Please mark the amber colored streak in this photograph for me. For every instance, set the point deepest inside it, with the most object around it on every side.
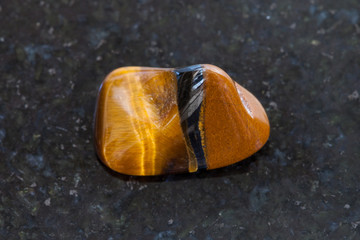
(235, 123)
(142, 122)
(201, 127)
(138, 128)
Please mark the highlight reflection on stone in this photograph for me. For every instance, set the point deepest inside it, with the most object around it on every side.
(152, 121)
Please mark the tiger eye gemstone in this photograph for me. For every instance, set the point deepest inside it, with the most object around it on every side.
(152, 121)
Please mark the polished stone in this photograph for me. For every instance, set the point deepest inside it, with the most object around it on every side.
(153, 121)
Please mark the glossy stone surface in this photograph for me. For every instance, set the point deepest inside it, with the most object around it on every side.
(299, 58)
(235, 123)
(139, 130)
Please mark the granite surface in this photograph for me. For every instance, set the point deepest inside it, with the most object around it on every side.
(300, 58)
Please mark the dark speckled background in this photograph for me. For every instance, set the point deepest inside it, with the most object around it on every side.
(300, 58)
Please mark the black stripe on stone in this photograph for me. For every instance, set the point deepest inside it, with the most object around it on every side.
(190, 97)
